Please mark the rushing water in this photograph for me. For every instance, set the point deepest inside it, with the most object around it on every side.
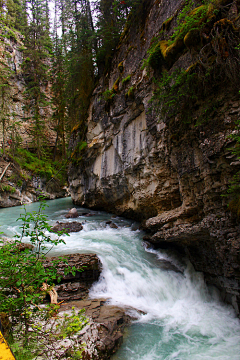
(178, 317)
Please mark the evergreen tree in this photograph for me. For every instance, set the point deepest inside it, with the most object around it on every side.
(73, 70)
(80, 65)
(5, 74)
(36, 68)
(58, 96)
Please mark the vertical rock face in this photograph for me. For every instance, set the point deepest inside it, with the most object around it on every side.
(169, 174)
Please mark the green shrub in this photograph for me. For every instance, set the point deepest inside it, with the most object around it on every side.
(30, 162)
(130, 93)
(32, 328)
(126, 79)
(7, 188)
(174, 91)
(108, 95)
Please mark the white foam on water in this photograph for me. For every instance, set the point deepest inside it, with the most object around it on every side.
(178, 318)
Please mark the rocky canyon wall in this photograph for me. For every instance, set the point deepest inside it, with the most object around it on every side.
(168, 173)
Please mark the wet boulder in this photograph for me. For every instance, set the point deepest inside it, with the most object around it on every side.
(75, 284)
(67, 227)
(113, 226)
(72, 214)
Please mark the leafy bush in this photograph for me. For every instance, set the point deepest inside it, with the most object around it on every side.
(44, 167)
(22, 274)
(7, 188)
(175, 92)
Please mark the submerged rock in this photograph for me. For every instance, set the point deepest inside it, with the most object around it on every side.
(111, 224)
(67, 227)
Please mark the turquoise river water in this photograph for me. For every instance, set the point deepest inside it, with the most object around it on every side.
(179, 317)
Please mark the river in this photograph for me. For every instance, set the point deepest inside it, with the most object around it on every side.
(180, 318)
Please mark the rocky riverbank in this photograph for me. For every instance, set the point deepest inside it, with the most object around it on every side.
(104, 333)
(18, 187)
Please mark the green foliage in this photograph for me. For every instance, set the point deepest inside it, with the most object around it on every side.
(7, 188)
(29, 161)
(19, 182)
(179, 92)
(174, 91)
(44, 167)
(155, 57)
(77, 153)
(22, 275)
(108, 94)
(191, 20)
(22, 272)
(47, 339)
(130, 92)
(126, 79)
(36, 69)
(11, 34)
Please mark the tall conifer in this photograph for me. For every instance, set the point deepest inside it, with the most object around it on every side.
(36, 68)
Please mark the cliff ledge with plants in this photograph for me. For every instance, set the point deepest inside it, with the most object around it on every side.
(162, 140)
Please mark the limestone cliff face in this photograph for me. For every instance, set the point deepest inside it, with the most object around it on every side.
(168, 174)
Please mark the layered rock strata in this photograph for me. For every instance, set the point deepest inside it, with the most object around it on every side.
(168, 173)
(75, 285)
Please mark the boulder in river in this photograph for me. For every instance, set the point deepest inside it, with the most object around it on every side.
(67, 227)
(72, 214)
(111, 224)
(75, 286)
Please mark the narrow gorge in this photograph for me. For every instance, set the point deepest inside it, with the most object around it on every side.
(169, 167)
(120, 179)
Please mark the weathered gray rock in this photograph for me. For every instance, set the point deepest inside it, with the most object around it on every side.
(168, 173)
(104, 333)
(67, 227)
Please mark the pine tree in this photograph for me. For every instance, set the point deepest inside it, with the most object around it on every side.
(80, 65)
(36, 68)
(73, 70)
(58, 95)
(5, 74)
